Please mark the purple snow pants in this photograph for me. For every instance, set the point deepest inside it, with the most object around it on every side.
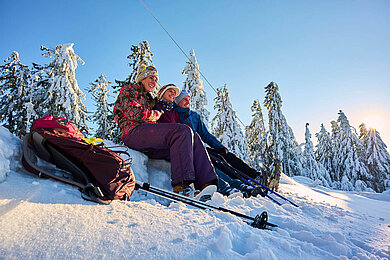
(177, 143)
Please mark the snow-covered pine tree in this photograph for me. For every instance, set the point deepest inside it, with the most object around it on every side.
(225, 126)
(313, 169)
(194, 83)
(377, 157)
(335, 138)
(14, 94)
(140, 54)
(39, 81)
(323, 151)
(281, 140)
(363, 132)
(63, 97)
(255, 137)
(103, 115)
(348, 164)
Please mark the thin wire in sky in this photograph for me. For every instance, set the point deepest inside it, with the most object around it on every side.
(184, 53)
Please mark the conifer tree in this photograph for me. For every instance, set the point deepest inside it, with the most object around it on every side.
(313, 169)
(62, 96)
(103, 114)
(225, 126)
(348, 164)
(194, 83)
(14, 94)
(140, 54)
(377, 157)
(335, 147)
(363, 132)
(256, 137)
(281, 140)
(39, 81)
(323, 152)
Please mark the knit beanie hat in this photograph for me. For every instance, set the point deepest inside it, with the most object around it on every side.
(163, 89)
(182, 95)
(145, 71)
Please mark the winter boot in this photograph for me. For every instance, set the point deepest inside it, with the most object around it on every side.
(233, 192)
(249, 191)
(246, 190)
(258, 190)
(186, 189)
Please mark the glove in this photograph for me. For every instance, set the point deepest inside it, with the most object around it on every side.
(223, 150)
(155, 115)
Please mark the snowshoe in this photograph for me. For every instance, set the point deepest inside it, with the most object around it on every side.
(206, 193)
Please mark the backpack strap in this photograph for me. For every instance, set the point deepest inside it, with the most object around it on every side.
(29, 163)
(34, 141)
(39, 146)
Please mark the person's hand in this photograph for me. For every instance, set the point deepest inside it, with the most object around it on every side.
(155, 115)
(223, 150)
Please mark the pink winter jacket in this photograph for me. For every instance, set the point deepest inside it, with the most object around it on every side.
(133, 108)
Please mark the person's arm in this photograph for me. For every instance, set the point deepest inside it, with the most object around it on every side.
(131, 105)
(205, 135)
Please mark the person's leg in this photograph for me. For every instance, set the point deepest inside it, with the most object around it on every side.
(204, 170)
(223, 187)
(220, 163)
(234, 183)
(166, 141)
(240, 165)
(226, 171)
(236, 162)
(230, 183)
(180, 144)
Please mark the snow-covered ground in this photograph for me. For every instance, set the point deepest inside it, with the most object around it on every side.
(43, 219)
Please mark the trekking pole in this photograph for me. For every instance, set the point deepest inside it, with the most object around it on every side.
(265, 187)
(235, 172)
(277, 194)
(260, 221)
(261, 192)
(242, 176)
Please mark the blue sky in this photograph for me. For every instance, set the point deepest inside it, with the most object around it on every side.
(324, 55)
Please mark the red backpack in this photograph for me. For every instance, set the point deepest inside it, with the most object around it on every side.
(101, 174)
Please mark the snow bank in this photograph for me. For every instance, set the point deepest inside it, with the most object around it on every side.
(10, 150)
(43, 219)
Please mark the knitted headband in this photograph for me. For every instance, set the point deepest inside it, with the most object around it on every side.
(182, 95)
(145, 71)
(163, 89)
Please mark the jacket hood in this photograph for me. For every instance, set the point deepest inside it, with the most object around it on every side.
(185, 112)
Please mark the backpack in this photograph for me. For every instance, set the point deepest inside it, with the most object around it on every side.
(100, 173)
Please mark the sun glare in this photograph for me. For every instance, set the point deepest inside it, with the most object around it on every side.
(374, 121)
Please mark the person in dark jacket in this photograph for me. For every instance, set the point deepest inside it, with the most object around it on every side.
(194, 121)
(165, 102)
(190, 163)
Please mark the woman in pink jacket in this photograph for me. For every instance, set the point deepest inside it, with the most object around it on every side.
(177, 143)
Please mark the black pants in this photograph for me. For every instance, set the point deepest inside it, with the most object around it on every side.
(236, 162)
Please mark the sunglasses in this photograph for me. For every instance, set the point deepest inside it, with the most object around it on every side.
(186, 91)
(149, 68)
